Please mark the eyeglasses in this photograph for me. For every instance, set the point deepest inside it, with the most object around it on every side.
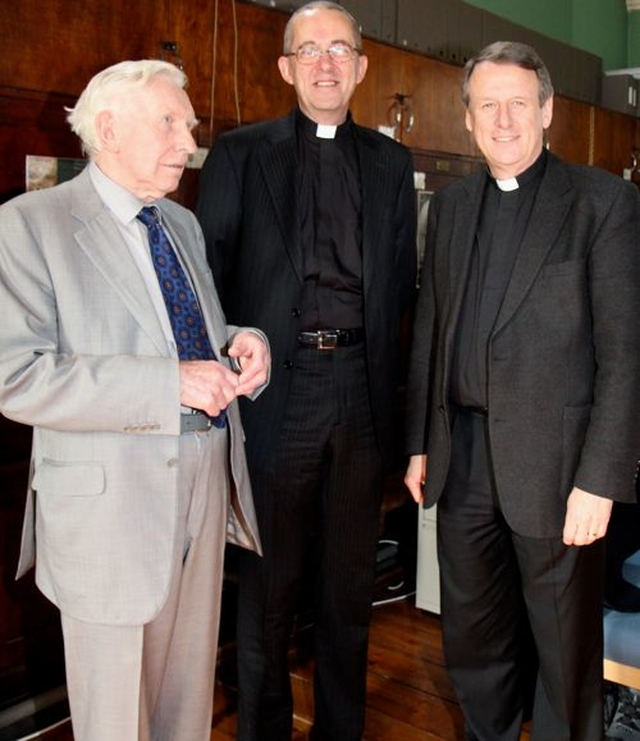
(310, 53)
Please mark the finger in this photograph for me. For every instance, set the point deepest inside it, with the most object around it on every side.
(415, 488)
(583, 535)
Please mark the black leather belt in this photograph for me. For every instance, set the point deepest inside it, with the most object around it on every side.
(195, 422)
(329, 339)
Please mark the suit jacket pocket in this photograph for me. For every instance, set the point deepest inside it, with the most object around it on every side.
(69, 478)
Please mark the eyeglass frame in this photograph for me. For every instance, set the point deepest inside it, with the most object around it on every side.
(355, 52)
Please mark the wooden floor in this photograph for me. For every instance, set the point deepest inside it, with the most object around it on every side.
(409, 694)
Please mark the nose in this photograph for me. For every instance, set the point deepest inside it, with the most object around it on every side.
(325, 60)
(186, 142)
(503, 116)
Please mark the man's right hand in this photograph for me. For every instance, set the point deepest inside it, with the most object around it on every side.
(415, 477)
(207, 385)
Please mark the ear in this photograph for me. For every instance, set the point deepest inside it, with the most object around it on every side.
(106, 128)
(284, 65)
(363, 65)
(468, 121)
(547, 112)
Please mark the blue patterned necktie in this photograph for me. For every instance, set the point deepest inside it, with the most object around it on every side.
(186, 320)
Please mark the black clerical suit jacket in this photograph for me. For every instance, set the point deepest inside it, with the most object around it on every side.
(247, 209)
(563, 358)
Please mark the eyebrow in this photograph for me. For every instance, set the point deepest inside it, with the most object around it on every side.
(334, 41)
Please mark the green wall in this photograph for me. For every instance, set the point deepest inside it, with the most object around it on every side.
(634, 39)
(598, 26)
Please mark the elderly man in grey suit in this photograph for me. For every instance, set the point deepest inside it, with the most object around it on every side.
(138, 472)
(525, 400)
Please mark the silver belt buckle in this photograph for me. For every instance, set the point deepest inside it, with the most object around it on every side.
(327, 340)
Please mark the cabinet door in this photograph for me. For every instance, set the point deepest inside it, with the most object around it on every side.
(31, 654)
(428, 572)
(58, 45)
(422, 26)
(248, 86)
(377, 18)
(432, 89)
(613, 140)
(570, 131)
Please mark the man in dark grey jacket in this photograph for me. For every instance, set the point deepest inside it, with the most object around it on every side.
(525, 400)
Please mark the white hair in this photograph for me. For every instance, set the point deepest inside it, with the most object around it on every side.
(107, 86)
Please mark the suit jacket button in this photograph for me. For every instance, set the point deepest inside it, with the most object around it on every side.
(295, 313)
(172, 462)
(288, 364)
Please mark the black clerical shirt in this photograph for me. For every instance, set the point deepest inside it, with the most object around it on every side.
(503, 220)
(329, 213)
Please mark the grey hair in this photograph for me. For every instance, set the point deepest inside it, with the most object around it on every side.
(319, 5)
(510, 52)
(107, 86)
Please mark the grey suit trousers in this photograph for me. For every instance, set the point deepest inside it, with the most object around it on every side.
(154, 682)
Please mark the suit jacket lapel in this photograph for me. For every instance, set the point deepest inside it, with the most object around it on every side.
(374, 164)
(461, 242)
(278, 164)
(100, 239)
(550, 210)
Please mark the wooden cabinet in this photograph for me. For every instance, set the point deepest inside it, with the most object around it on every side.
(229, 51)
(247, 85)
(31, 654)
(570, 135)
(613, 137)
(57, 45)
(432, 88)
(428, 574)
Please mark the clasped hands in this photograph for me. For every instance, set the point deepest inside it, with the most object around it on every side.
(210, 386)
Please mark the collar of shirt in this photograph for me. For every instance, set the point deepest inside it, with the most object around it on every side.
(315, 130)
(121, 202)
(532, 173)
(124, 207)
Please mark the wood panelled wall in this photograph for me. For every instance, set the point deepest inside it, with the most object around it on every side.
(51, 48)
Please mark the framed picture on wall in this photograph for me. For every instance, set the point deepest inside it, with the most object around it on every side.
(43, 172)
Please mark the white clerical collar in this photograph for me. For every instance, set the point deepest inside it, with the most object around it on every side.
(508, 184)
(325, 131)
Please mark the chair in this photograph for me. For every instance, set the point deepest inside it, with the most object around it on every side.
(622, 636)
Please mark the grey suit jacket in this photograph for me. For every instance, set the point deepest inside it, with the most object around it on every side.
(84, 361)
(563, 357)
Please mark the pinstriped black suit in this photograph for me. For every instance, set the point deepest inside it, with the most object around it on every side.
(247, 208)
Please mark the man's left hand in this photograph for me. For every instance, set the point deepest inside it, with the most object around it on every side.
(253, 360)
(587, 517)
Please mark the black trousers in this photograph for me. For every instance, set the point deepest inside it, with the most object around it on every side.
(318, 508)
(498, 589)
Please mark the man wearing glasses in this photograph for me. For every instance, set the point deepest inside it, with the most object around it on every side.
(310, 229)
